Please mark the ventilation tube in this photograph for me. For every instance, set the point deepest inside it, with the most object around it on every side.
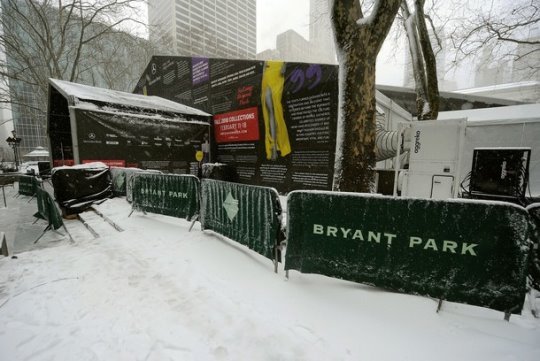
(386, 141)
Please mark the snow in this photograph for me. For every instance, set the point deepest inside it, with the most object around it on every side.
(86, 92)
(112, 111)
(504, 86)
(90, 165)
(512, 113)
(37, 152)
(159, 292)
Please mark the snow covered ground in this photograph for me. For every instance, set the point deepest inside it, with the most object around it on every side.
(158, 292)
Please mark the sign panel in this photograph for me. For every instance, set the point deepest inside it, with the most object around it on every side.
(28, 185)
(121, 140)
(47, 209)
(168, 194)
(275, 122)
(238, 126)
(462, 251)
(249, 215)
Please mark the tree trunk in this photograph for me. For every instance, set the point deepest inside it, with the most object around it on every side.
(358, 120)
(358, 41)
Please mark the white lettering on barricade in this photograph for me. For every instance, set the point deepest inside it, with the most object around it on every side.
(416, 242)
(158, 192)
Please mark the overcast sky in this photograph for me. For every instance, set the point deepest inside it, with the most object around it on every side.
(277, 16)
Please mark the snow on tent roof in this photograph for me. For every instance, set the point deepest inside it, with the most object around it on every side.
(513, 112)
(38, 152)
(90, 93)
(449, 101)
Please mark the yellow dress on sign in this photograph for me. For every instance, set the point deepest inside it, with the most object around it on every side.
(276, 134)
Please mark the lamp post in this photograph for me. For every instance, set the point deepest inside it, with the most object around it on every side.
(14, 143)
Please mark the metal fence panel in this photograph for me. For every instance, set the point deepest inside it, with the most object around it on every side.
(47, 209)
(464, 251)
(168, 194)
(28, 185)
(249, 215)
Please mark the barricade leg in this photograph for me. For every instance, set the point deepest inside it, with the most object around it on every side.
(69, 234)
(5, 251)
(193, 220)
(43, 233)
(532, 296)
(439, 305)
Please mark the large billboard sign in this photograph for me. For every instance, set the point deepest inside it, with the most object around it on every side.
(275, 122)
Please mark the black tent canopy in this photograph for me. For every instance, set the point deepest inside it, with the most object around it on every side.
(87, 124)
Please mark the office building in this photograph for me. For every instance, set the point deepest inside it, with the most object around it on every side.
(290, 46)
(210, 28)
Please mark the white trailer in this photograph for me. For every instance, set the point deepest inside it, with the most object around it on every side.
(441, 151)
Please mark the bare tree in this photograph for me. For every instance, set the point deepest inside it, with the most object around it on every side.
(117, 61)
(505, 27)
(424, 63)
(358, 41)
(53, 39)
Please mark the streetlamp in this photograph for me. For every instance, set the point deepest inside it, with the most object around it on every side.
(14, 143)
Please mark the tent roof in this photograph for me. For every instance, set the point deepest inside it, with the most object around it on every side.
(449, 101)
(38, 152)
(75, 93)
(515, 113)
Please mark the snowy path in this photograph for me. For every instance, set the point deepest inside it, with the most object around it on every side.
(158, 292)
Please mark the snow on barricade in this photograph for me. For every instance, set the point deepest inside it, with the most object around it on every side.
(168, 194)
(463, 251)
(249, 215)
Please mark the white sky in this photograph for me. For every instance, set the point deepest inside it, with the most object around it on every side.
(277, 16)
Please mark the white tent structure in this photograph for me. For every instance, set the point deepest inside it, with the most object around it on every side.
(38, 152)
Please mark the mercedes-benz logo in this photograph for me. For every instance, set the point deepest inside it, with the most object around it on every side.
(91, 136)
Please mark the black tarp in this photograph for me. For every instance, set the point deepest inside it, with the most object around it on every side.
(76, 188)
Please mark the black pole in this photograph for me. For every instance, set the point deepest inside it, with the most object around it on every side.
(14, 143)
(4, 194)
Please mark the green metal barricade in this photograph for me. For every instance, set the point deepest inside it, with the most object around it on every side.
(464, 251)
(28, 185)
(168, 194)
(249, 215)
(47, 209)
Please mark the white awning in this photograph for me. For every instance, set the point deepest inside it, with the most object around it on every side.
(38, 152)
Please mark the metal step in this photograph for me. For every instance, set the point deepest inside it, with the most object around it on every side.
(97, 224)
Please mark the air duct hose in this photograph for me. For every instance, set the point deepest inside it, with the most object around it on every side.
(386, 141)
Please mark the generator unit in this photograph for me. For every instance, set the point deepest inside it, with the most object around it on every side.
(434, 159)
